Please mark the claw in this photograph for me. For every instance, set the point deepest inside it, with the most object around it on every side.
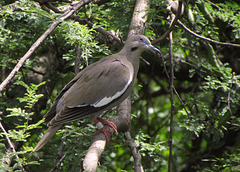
(101, 123)
(109, 123)
(106, 133)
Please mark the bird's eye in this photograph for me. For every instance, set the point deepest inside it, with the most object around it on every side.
(140, 39)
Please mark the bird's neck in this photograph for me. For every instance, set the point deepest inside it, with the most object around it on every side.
(131, 54)
(132, 57)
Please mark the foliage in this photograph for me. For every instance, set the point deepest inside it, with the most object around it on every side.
(80, 34)
(207, 78)
(22, 131)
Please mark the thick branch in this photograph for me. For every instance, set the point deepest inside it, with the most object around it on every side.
(123, 118)
(139, 17)
(122, 122)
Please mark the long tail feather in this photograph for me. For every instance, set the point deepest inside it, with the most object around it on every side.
(47, 136)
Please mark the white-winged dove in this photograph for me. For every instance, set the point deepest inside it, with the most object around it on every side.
(97, 88)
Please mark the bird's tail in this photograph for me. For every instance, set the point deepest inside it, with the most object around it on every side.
(47, 136)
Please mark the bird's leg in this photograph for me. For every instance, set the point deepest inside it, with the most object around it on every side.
(101, 123)
(109, 123)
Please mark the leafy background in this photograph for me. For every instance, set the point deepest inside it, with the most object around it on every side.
(206, 126)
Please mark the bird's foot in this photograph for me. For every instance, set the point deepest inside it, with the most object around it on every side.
(101, 123)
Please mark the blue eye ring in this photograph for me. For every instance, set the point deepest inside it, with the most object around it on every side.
(140, 39)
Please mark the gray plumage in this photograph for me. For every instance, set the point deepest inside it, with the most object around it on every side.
(97, 88)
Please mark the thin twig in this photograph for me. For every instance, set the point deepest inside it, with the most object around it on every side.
(164, 66)
(173, 23)
(229, 95)
(83, 21)
(174, 19)
(215, 5)
(61, 9)
(136, 155)
(61, 149)
(181, 101)
(204, 38)
(11, 145)
(174, 88)
(172, 102)
(98, 29)
(40, 40)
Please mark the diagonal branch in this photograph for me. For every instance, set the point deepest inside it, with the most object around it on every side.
(136, 155)
(122, 121)
(98, 29)
(204, 38)
(11, 145)
(173, 23)
(40, 40)
(123, 118)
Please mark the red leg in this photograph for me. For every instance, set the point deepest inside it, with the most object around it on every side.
(100, 124)
(109, 123)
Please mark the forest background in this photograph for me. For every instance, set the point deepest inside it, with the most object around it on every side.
(185, 113)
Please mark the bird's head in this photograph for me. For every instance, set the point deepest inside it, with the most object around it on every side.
(140, 43)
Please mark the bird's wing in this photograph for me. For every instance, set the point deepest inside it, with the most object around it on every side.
(100, 86)
(95, 88)
(52, 111)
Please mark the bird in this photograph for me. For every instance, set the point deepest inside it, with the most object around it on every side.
(97, 88)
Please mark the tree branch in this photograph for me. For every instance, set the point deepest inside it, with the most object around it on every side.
(174, 20)
(122, 121)
(172, 102)
(83, 21)
(179, 11)
(173, 23)
(11, 145)
(94, 152)
(136, 155)
(62, 156)
(204, 38)
(98, 29)
(61, 9)
(123, 118)
(40, 40)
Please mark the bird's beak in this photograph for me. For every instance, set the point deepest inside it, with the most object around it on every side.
(154, 49)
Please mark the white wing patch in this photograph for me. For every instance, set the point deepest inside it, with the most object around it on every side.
(107, 100)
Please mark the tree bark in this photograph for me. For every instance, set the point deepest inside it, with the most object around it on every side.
(123, 118)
